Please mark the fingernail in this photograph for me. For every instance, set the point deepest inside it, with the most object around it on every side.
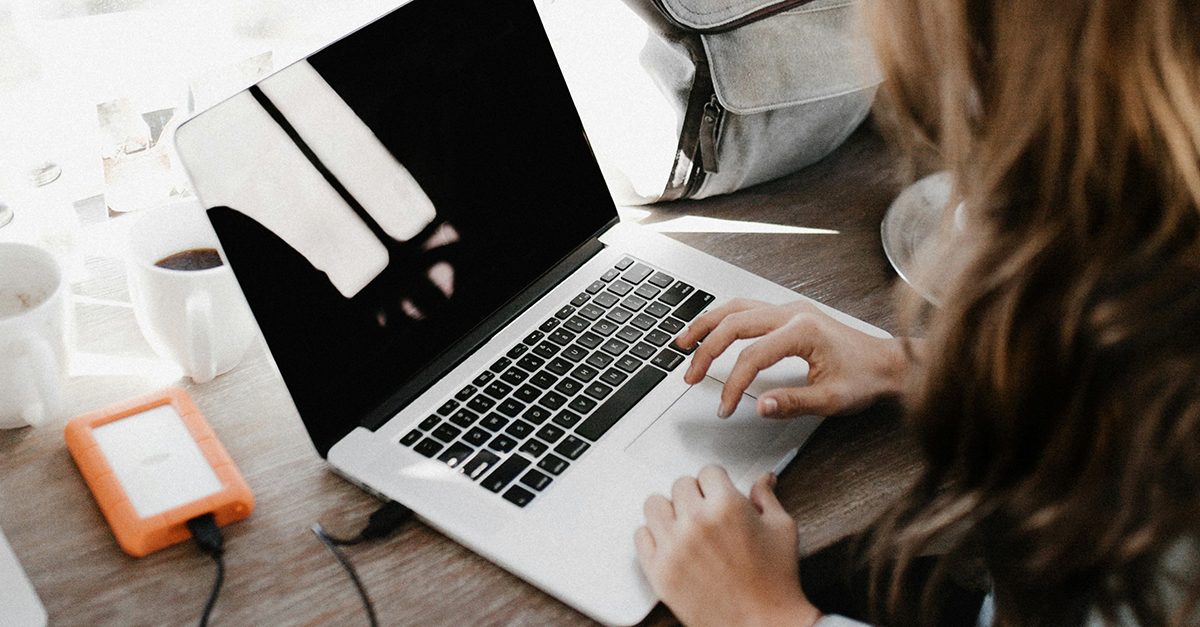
(724, 411)
(768, 407)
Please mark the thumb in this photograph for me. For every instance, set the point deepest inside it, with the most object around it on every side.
(762, 495)
(789, 402)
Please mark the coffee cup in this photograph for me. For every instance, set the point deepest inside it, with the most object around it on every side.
(34, 323)
(185, 297)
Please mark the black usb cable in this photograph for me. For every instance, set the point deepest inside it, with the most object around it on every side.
(211, 541)
(382, 522)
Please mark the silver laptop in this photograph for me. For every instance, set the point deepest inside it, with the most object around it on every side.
(462, 320)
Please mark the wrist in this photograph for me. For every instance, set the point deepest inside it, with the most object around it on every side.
(799, 613)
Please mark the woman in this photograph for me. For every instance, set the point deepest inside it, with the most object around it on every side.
(1056, 397)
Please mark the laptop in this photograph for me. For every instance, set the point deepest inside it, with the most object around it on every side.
(462, 320)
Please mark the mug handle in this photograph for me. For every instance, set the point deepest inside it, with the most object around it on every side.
(201, 334)
(46, 379)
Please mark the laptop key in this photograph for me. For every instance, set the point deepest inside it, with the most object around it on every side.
(519, 429)
(518, 496)
(553, 464)
(590, 340)
(684, 351)
(598, 391)
(629, 364)
(500, 364)
(693, 305)
(510, 407)
(446, 432)
(480, 404)
(559, 366)
(494, 422)
(543, 379)
(605, 327)
(642, 350)
(480, 464)
(572, 447)
(625, 262)
(514, 376)
(661, 279)
(551, 433)
(516, 351)
(429, 423)
(527, 393)
(620, 315)
(465, 393)
(552, 400)
(667, 359)
(464, 418)
(536, 414)
(620, 403)
(599, 360)
(609, 276)
(633, 303)
(585, 373)
(536, 480)
(567, 418)
(620, 288)
(565, 312)
(647, 291)
(614, 347)
(614, 377)
(497, 390)
(576, 324)
(676, 294)
(483, 378)
(428, 447)
(671, 325)
(580, 299)
(534, 448)
(545, 350)
(638, 273)
(531, 362)
(658, 337)
(575, 353)
(505, 473)
(643, 322)
(657, 309)
(568, 386)
(590, 311)
(476, 436)
(456, 455)
(596, 286)
(448, 407)
(502, 443)
(410, 437)
(629, 334)
(549, 325)
(582, 404)
(533, 338)
(562, 337)
(606, 299)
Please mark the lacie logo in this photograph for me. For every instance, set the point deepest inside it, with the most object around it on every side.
(155, 459)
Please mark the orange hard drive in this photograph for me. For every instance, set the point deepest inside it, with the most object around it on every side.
(133, 469)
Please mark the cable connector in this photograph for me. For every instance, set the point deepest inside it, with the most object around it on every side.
(382, 521)
(211, 541)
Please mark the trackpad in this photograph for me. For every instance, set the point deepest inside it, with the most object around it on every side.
(689, 436)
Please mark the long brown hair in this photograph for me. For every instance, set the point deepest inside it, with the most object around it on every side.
(1058, 399)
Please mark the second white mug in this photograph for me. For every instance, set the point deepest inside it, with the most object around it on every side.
(197, 317)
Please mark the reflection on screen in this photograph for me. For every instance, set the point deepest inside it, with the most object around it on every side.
(381, 200)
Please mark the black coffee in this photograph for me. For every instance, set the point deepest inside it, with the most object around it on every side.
(195, 259)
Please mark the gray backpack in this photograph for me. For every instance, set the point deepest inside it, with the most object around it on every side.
(762, 87)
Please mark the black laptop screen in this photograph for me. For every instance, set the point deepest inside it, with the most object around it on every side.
(380, 201)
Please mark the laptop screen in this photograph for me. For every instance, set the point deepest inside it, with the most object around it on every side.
(378, 201)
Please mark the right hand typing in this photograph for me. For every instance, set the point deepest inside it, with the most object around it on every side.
(847, 369)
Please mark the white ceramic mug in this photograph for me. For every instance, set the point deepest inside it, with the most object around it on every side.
(195, 318)
(34, 323)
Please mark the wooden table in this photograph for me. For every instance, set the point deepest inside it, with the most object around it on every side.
(277, 571)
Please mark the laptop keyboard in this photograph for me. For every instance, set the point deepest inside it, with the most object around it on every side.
(525, 419)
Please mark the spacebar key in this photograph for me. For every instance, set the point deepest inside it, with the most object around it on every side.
(620, 403)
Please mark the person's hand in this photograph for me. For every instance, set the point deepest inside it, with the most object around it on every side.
(847, 369)
(717, 558)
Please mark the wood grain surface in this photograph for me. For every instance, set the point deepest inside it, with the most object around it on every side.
(277, 571)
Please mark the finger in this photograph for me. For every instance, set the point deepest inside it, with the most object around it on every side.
(660, 515)
(715, 483)
(701, 326)
(818, 400)
(643, 541)
(685, 495)
(793, 339)
(762, 495)
(736, 326)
